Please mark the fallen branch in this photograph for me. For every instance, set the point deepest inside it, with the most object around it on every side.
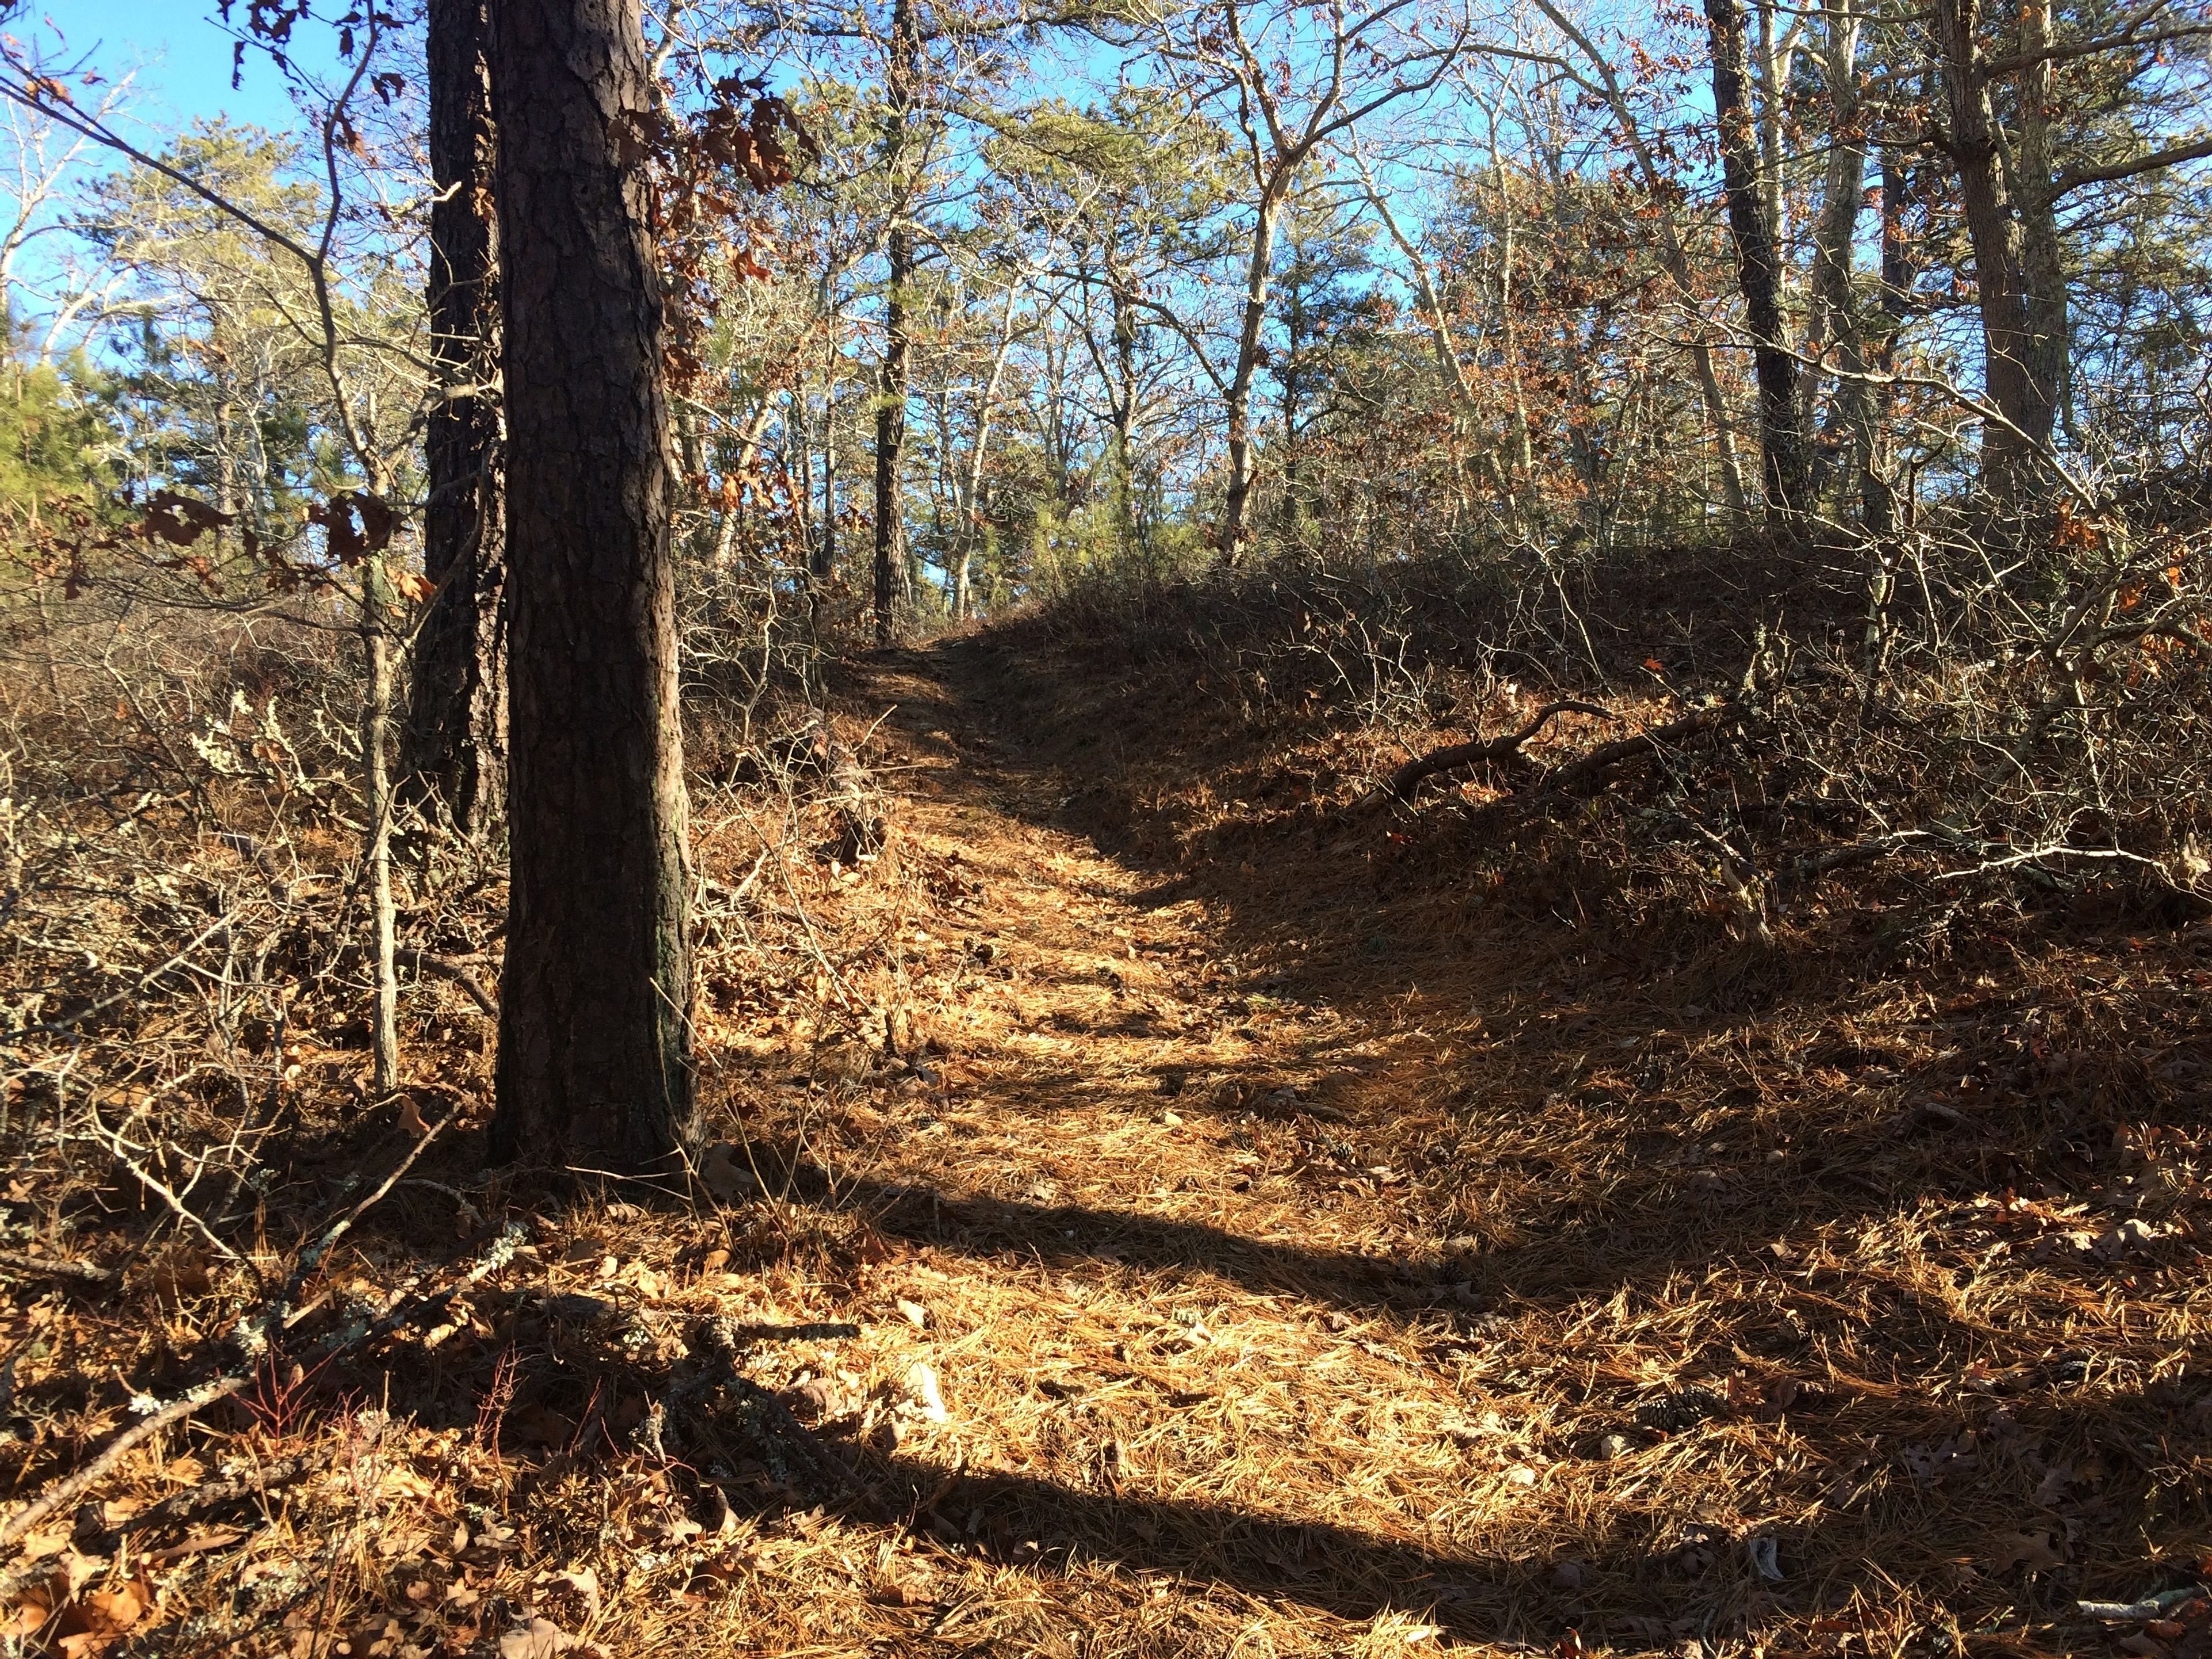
(256, 1337)
(48, 1267)
(722, 1341)
(184, 1506)
(1458, 756)
(70, 1486)
(454, 973)
(1849, 856)
(253, 1336)
(1607, 756)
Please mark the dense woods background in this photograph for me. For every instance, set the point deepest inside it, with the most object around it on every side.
(1426, 783)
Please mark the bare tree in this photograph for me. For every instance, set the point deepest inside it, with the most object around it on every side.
(39, 159)
(1294, 78)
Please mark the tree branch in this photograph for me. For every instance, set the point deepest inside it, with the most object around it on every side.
(2075, 178)
(1457, 756)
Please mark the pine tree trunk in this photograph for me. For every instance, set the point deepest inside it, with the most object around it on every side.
(595, 1043)
(455, 740)
(890, 570)
(1757, 269)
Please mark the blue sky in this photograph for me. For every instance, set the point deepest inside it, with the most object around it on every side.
(181, 58)
(177, 55)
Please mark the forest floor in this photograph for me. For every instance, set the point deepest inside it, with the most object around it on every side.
(1255, 1250)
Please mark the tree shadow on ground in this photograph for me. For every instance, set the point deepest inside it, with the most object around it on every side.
(1674, 1582)
(557, 1401)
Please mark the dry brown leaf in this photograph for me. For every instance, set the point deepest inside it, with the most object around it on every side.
(37, 1604)
(2037, 1548)
(581, 1581)
(97, 1620)
(723, 1173)
(2053, 1487)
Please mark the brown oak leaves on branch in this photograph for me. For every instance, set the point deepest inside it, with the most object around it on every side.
(703, 172)
(355, 524)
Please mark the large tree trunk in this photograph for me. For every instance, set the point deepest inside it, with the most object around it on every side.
(595, 1039)
(2020, 346)
(891, 572)
(455, 740)
(1757, 268)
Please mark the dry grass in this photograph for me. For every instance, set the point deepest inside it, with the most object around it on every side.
(1324, 1235)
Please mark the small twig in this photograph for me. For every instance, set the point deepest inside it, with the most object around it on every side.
(274, 1319)
(117, 1149)
(2034, 854)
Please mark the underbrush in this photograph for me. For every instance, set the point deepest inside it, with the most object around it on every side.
(240, 1278)
(1721, 732)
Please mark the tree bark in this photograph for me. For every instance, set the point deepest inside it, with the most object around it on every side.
(2043, 267)
(455, 742)
(1758, 269)
(1877, 490)
(594, 1067)
(2018, 352)
(891, 572)
(1835, 320)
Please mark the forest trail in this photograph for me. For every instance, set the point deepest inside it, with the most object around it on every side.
(1321, 1251)
(1196, 1340)
(1184, 1218)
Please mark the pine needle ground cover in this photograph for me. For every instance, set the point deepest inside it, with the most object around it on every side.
(1159, 1208)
